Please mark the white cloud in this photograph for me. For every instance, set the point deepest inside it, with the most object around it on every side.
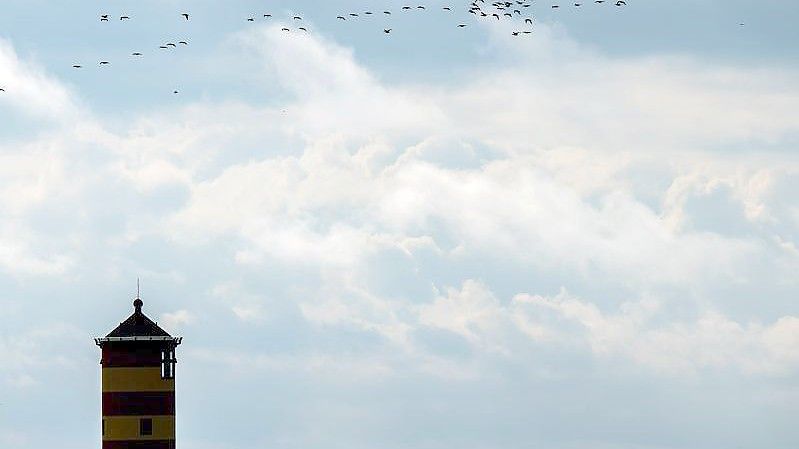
(636, 332)
(28, 88)
(174, 321)
(27, 357)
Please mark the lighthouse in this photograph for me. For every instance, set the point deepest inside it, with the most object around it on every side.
(138, 384)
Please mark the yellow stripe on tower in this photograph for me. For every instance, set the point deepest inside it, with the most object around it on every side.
(122, 428)
(135, 379)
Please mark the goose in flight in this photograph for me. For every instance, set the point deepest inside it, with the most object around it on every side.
(341, 17)
(135, 54)
(183, 42)
(104, 63)
(387, 30)
(76, 66)
(297, 18)
(124, 17)
(461, 25)
(185, 16)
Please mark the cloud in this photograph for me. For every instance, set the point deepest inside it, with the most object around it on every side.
(636, 332)
(31, 356)
(532, 223)
(174, 321)
(30, 90)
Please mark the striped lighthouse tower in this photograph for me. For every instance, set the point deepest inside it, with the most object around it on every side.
(138, 366)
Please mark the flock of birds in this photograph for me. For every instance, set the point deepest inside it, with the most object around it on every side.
(516, 10)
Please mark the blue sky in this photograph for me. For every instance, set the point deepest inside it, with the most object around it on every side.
(585, 237)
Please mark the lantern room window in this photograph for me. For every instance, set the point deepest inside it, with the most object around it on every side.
(168, 362)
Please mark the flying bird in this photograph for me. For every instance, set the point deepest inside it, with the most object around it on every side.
(183, 42)
(185, 16)
(124, 17)
(104, 63)
(77, 66)
(387, 30)
(136, 54)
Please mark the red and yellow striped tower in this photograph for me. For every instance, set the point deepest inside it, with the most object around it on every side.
(138, 384)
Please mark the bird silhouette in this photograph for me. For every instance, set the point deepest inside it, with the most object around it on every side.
(185, 16)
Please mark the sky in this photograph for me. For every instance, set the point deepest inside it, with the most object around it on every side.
(585, 237)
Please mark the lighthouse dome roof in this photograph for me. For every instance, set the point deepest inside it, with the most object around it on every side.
(138, 325)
